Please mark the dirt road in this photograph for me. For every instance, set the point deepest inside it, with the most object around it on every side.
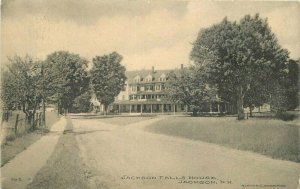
(91, 153)
(64, 168)
(126, 156)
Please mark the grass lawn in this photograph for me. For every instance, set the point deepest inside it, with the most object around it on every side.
(11, 148)
(274, 138)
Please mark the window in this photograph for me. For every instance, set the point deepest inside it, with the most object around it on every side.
(133, 88)
(162, 77)
(137, 79)
(149, 87)
(148, 78)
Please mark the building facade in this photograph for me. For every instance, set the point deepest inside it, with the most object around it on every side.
(145, 92)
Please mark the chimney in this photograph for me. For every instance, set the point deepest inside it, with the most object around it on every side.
(152, 69)
(181, 66)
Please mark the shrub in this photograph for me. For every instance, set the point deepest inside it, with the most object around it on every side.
(11, 137)
(286, 116)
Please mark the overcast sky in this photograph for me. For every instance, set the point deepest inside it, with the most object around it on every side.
(146, 33)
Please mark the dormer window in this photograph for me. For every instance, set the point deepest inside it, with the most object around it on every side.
(162, 77)
(137, 79)
(148, 78)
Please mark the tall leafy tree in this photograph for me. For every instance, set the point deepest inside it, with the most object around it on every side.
(108, 77)
(9, 98)
(66, 77)
(189, 87)
(20, 87)
(82, 103)
(241, 57)
(256, 97)
(292, 84)
(284, 95)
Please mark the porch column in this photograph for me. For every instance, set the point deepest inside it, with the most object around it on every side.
(218, 108)
(186, 108)
(162, 108)
(210, 108)
(141, 108)
(129, 108)
(119, 108)
(151, 107)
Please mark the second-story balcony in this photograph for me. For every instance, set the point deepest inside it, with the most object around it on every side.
(148, 92)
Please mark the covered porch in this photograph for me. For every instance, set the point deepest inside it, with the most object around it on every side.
(147, 107)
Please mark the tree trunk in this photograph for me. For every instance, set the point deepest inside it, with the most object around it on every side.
(28, 115)
(240, 105)
(251, 112)
(58, 108)
(33, 116)
(194, 112)
(33, 121)
(105, 109)
(66, 111)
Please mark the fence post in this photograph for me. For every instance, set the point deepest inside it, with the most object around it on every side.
(7, 115)
(44, 114)
(16, 124)
(36, 119)
(40, 119)
(3, 118)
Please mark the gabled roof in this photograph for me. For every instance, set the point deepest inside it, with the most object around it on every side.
(144, 73)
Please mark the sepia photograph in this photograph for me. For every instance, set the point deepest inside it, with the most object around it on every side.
(149, 94)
